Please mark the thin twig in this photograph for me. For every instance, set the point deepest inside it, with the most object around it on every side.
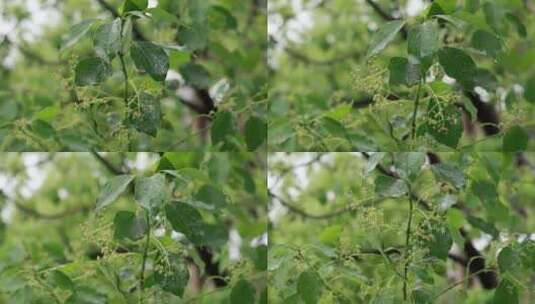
(407, 246)
(144, 259)
(415, 112)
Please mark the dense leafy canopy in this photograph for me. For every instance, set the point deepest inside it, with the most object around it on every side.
(133, 228)
(131, 75)
(386, 75)
(401, 227)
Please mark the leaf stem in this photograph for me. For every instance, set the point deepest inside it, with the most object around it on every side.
(144, 259)
(407, 246)
(123, 65)
(416, 104)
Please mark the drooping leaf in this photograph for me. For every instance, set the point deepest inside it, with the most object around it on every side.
(91, 71)
(113, 189)
(424, 40)
(242, 292)
(176, 278)
(390, 187)
(483, 226)
(77, 32)
(486, 42)
(402, 72)
(255, 132)
(186, 220)
(107, 39)
(457, 64)
(449, 173)
(309, 287)
(150, 58)
(212, 196)
(129, 226)
(444, 124)
(515, 139)
(223, 129)
(384, 36)
(148, 114)
(151, 192)
(195, 74)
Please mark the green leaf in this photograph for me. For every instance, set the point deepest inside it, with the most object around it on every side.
(148, 115)
(309, 286)
(448, 6)
(457, 64)
(529, 90)
(48, 114)
(151, 192)
(515, 139)
(211, 196)
(76, 33)
(445, 124)
(424, 40)
(175, 279)
(186, 220)
(384, 36)
(331, 235)
(134, 5)
(334, 127)
(242, 292)
(255, 132)
(409, 164)
(390, 187)
(194, 37)
(402, 72)
(113, 189)
(486, 42)
(483, 78)
(449, 173)
(150, 58)
(520, 27)
(196, 75)
(259, 257)
(129, 226)
(438, 239)
(107, 39)
(483, 226)
(61, 280)
(221, 18)
(223, 129)
(506, 293)
(472, 5)
(43, 129)
(91, 71)
(509, 260)
(485, 190)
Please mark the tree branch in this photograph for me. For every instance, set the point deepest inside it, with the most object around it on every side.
(305, 214)
(55, 216)
(108, 164)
